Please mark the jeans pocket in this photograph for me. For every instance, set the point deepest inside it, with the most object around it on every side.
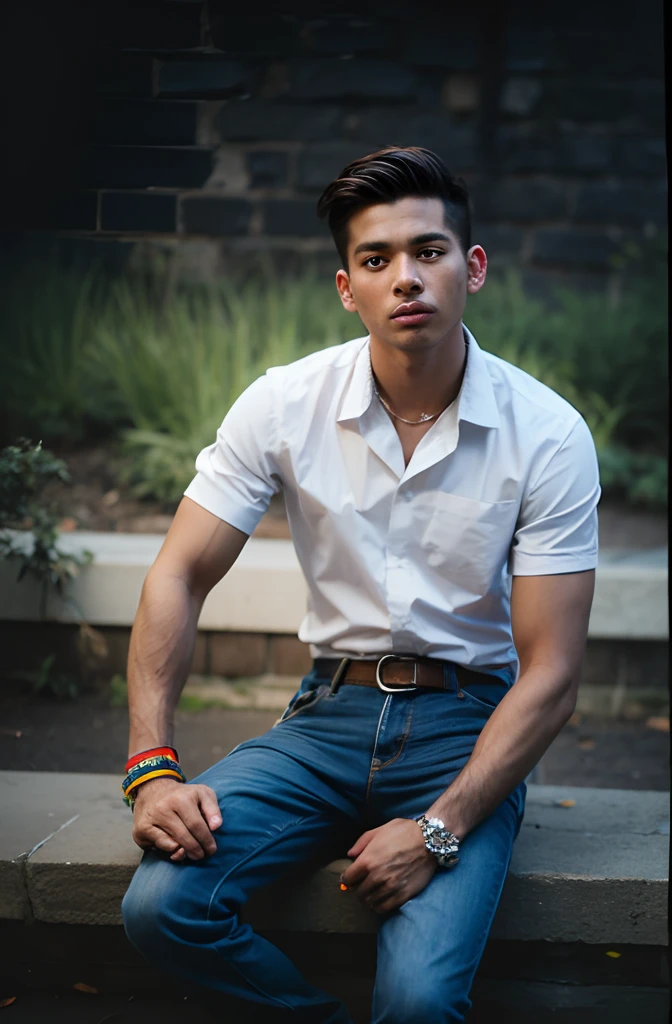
(486, 702)
(303, 701)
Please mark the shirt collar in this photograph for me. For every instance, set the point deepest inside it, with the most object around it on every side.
(477, 403)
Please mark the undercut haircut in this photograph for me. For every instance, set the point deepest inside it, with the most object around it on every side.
(386, 176)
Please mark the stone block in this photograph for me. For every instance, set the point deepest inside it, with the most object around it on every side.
(585, 153)
(567, 247)
(138, 211)
(146, 122)
(157, 25)
(293, 217)
(289, 656)
(585, 101)
(233, 29)
(338, 36)
(528, 45)
(527, 200)
(435, 41)
(71, 211)
(498, 240)
(318, 165)
(146, 166)
(251, 120)
(268, 168)
(621, 204)
(408, 125)
(127, 74)
(361, 78)
(523, 151)
(237, 654)
(520, 96)
(80, 875)
(212, 215)
(210, 77)
(642, 156)
(461, 94)
(35, 806)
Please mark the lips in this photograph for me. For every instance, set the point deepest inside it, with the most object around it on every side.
(409, 309)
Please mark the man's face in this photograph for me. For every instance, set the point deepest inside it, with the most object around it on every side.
(400, 253)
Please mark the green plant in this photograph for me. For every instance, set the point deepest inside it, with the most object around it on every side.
(48, 680)
(179, 364)
(118, 691)
(25, 470)
(48, 329)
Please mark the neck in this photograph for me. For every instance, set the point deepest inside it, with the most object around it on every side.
(420, 381)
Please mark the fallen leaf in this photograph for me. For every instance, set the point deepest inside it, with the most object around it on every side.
(575, 719)
(611, 953)
(565, 803)
(8, 1001)
(11, 732)
(67, 525)
(659, 723)
(81, 986)
(586, 744)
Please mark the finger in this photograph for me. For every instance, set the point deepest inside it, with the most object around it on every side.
(155, 838)
(179, 855)
(361, 843)
(355, 873)
(207, 801)
(193, 820)
(176, 828)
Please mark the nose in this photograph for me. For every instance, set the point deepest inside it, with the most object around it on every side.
(407, 278)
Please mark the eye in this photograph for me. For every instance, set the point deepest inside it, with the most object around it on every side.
(368, 259)
(438, 252)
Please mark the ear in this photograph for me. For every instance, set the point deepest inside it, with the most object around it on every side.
(343, 285)
(477, 268)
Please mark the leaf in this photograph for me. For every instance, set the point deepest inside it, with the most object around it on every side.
(575, 719)
(67, 525)
(565, 803)
(586, 744)
(613, 954)
(81, 986)
(8, 1001)
(659, 723)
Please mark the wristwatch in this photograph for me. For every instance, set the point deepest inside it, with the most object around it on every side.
(439, 841)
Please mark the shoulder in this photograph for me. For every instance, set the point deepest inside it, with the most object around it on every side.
(310, 370)
(526, 401)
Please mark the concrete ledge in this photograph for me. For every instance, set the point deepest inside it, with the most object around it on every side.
(595, 872)
(265, 591)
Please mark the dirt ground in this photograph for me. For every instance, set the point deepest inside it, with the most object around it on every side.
(96, 500)
(87, 735)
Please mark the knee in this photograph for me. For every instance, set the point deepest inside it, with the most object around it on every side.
(148, 908)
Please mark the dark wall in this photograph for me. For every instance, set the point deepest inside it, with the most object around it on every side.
(196, 122)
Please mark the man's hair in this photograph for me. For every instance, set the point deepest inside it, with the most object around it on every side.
(386, 176)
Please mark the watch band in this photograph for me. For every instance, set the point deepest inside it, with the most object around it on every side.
(444, 845)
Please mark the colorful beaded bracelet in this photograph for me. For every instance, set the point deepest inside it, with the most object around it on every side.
(149, 768)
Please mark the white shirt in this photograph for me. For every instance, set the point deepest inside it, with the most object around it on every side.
(414, 559)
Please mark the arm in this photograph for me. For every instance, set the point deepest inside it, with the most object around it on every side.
(550, 625)
(198, 551)
(549, 616)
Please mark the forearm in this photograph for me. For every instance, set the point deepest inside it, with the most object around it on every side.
(160, 654)
(517, 734)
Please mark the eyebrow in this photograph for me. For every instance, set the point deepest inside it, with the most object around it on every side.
(431, 236)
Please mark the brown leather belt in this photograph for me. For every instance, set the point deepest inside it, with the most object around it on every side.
(393, 673)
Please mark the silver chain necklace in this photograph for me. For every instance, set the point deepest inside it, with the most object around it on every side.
(425, 418)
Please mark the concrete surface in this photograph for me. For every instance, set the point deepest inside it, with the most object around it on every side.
(595, 872)
(265, 590)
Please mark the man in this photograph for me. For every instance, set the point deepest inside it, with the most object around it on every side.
(443, 508)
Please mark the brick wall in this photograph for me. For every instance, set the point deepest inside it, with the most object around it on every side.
(211, 132)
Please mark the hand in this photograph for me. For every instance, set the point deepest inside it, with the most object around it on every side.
(392, 864)
(176, 818)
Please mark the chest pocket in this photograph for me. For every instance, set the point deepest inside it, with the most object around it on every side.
(467, 542)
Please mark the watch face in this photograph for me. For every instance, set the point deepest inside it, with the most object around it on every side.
(435, 823)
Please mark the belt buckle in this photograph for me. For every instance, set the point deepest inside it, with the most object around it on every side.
(396, 689)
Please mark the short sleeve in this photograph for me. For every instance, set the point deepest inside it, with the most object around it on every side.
(556, 530)
(236, 476)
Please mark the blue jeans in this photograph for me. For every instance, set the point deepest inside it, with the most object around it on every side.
(336, 765)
